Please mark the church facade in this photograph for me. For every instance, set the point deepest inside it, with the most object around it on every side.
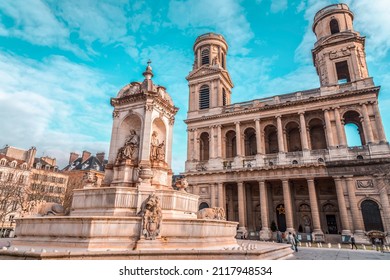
(283, 162)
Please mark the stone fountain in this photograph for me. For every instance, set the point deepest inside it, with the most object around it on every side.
(136, 214)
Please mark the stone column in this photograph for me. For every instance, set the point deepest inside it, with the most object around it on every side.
(280, 134)
(384, 199)
(315, 214)
(346, 228)
(379, 125)
(231, 205)
(212, 195)
(258, 136)
(211, 142)
(340, 129)
(241, 205)
(265, 233)
(195, 146)
(288, 206)
(238, 139)
(328, 127)
(303, 131)
(146, 137)
(189, 144)
(356, 214)
(219, 141)
(367, 125)
(221, 197)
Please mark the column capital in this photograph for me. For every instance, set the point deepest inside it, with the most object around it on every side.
(338, 178)
(326, 109)
(237, 123)
(219, 125)
(261, 181)
(257, 119)
(278, 116)
(311, 179)
(301, 112)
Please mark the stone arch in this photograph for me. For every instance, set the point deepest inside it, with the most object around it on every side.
(271, 139)
(317, 134)
(130, 122)
(250, 141)
(159, 127)
(334, 26)
(205, 56)
(204, 152)
(203, 205)
(353, 128)
(293, 136)
(231, 145)
(371, 213)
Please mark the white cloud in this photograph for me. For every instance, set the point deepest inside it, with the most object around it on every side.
(278, 6)
(52, 105)
(36, 24)
(221, 16)
(372, 20)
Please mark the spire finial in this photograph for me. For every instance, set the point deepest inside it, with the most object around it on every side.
(148, 74)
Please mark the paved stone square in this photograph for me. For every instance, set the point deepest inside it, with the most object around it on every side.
(338, 254)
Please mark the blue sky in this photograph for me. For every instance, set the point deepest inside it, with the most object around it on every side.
(61, 61)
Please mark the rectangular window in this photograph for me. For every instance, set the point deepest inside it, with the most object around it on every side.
(342, 72)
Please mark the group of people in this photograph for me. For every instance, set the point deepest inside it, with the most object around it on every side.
(291, 239)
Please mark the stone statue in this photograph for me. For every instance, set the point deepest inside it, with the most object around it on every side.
(181, 184)
(215, 213)
(157, 150)
(152, 216)
(130, 149)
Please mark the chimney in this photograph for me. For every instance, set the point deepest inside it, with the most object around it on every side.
(31, 156)
(73, 156)
(100, 157)
(86, 155)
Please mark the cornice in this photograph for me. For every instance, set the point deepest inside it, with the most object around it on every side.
(285, 104)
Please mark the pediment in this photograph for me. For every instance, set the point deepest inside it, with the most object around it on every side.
(209, 71)
(342, 36)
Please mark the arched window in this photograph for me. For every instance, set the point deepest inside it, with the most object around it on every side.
(353, 129)
(250, 142)
(203, 205)
(271, 139)
(231, 149)
(204, 146)
(224, 100)
(13, 164)
(3, 162)
(371, 215)
(334, 26)
(293, 137)
(204, 97)
(205, 56)
(317, 134)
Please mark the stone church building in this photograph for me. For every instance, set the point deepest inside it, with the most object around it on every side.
(283, 161)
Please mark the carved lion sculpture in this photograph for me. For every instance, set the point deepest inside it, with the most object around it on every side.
(51, 208)
(215, 213)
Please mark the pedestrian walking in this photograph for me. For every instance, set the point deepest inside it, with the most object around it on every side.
(291, 240)
(353, 242)
(377, 243)
(279, 237)
(296, 242)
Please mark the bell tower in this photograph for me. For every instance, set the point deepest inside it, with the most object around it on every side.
(338, 54)
(209, 82)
